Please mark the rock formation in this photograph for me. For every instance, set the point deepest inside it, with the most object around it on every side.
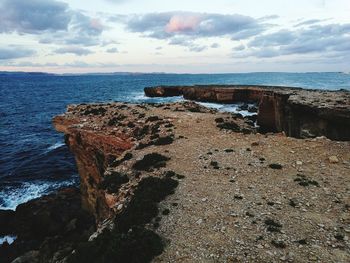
(182, 182)
(297, 112)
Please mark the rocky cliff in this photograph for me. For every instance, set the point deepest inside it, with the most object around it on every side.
(297, 112)
(181, 182)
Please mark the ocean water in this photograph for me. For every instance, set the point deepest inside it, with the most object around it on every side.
(33, 158)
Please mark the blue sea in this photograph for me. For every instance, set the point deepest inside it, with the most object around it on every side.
(33, 158)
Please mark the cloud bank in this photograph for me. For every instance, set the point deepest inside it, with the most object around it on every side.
(332, 39)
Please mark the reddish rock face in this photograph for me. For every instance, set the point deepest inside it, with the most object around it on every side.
(92, 152)
(100, 137)
(296, 112)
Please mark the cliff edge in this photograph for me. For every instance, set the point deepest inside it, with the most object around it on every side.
(182, 182)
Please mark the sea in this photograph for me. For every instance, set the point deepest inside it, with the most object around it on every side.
(34, 160)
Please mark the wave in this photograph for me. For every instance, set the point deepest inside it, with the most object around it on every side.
(228, 108)
(55, 146)
(141, 97)
(12, 196)
(8, 239)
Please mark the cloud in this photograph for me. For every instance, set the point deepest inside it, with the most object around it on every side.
(188, 43)
(182, 23)
(196, 48)
(108, 42)
(184, 28)
(112, 50)
(197, 25)
(281, 37)
(239, 48)
(29, 64)
(33, 16)
(266, 18)
(82, 30)
(215, 45)
(53, 21)
(73, 50)
(15, 52)
(310, 22)
(332, 39)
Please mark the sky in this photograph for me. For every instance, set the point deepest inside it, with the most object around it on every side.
(182, 36)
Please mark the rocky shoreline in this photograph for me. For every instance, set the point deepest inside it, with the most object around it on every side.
(297, 112)
(183, 183)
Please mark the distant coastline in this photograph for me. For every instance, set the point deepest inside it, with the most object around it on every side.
(164, 73)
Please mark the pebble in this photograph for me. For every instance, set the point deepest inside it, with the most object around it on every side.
(199, 221)
(299, 163)
(233, 214)
(333, 159)
(313, 258)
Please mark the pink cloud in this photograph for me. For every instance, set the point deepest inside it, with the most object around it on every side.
(180, 23)
(96, 24)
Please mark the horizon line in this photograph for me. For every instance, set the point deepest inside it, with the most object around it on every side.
(165, 73)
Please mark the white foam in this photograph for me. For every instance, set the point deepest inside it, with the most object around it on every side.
(55, 146)
(137, 97)
(8, 239)
(13, 196)
(141, 97)
(228, 108)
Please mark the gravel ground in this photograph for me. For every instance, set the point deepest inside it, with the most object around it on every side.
(254, 198)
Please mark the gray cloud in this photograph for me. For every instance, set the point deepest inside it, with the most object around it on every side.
(188, 43)
(183, 28)
(281, 37)
(270, 17)
(310, 22)
(15, 52)
(73, 50)
(239, 48)
(197, 48)
(112, 50)
(33, 16)
(82, 30)
(169, 24)
(332, 39)
(215, 45)
(52, 20)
